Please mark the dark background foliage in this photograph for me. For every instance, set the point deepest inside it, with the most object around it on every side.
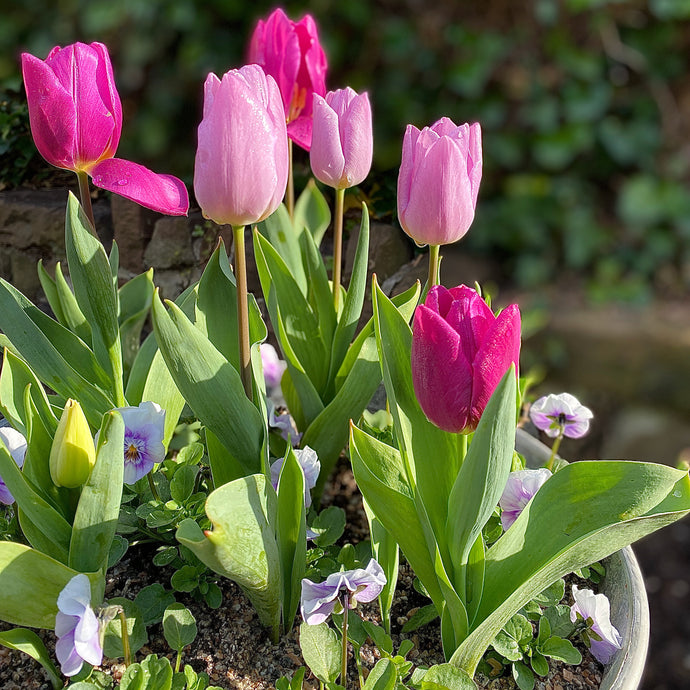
(583, 105)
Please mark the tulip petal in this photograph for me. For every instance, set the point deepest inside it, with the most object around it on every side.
(500, 349)
(357, 141)
(52, 113)
(162, 193)
(441, 375)
(326, 154)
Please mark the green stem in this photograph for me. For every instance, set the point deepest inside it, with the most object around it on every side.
(85, 196)
(462, 448)
(343, 663)
(290, 192)
(152, 486)
(242, 309)
(337, 245)
(178, 661)
(554, 450)
(433, 278)
(125, 638)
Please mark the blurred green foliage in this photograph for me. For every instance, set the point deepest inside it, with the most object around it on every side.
(583, 105)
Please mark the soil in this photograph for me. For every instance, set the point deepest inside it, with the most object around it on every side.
(234, 649)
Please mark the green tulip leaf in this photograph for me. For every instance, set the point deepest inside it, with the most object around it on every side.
(95, 520)
(242, 545)
(135, 298)
(30, 643)
(312, 213)
(279, 230)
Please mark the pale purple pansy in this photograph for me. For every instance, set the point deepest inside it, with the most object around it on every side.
(519, 491)
(596, 610)
(319, 599)
(551, 413)
(144, 432)
(77, 627)
(309, 462)
(15, 443)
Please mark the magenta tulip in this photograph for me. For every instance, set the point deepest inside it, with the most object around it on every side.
(76, 119)
(460, 352)
(342, 139)
(439, 180)
(291, 53)
(241, 166)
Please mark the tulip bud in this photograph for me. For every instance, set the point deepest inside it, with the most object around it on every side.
(73, 454)
(342, 139)
(460, 352)
(439, 181)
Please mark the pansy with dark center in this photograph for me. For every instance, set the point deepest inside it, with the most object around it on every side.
(561, 414)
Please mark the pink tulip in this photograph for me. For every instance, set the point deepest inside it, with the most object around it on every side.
(460, 352)
(76, 119)
(342, 139)
(439, 180)
(291, 53)
(241, 166)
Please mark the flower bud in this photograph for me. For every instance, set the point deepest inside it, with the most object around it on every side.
(73, 454)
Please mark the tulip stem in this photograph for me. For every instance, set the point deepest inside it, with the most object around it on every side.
(85, 196)
(290, 192)
(343, 663)
(242, 309)
(337, 245)
(433, 278)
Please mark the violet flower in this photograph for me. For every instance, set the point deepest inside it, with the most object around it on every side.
(309, 462)
(519, 491)
(553, 413)
(77, 627)
(144, 431)
(272, 365)
(282, 422)
(319, 600)
(601, 636)
(15, 443)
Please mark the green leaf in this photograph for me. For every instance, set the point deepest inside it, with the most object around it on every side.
(447, 677)
(53, 531)
(95, 520)
(559, 620)
(30, 583)
(30, 643)
(552, 595)
(72, 316)
(583, 513)
(118, 548)
(561, 650)
(50, 290)
(523, 676)
(420, 617)
(291, 534)
(382, 677)
(152, 601)
(329, 524)
(211, 386)
(179, 626)
(158, 672)
(112, 638)
(284, 238)
(514, 637)
(135, 298)
(95, 293)
(183, 482)
(185, 579)
(59, 358)
(312, 212)
(539, 664)
(242, 544)
(321, 651)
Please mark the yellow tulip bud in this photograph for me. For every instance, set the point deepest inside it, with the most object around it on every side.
(73, 453)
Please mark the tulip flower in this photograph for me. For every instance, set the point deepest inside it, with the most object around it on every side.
(77, 627)
(438, 184)
(341, 152)
(460, 352)
(291, 53)
(76, 120)
(241, 167)
(15, 443)
(518, 492)
(273, 366)
(342, 139)
(600, 635)
(73, 454)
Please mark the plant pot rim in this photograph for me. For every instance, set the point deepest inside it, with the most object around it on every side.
(625, 589)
